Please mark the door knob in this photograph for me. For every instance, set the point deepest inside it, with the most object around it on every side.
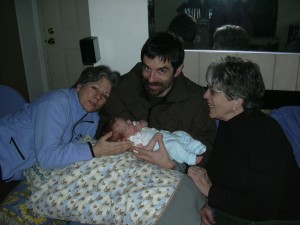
(51, 41)
(50, 30)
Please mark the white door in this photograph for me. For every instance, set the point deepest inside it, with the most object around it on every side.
(63, 23)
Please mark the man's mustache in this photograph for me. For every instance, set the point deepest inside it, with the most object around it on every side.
(153, 83)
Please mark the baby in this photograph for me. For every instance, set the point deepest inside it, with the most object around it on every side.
(180, 145)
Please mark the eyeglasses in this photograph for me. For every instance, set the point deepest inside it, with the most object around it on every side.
(211, 90)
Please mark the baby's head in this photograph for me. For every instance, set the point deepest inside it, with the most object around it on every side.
(122, 129)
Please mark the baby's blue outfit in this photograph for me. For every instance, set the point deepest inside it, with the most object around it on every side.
(180, 145)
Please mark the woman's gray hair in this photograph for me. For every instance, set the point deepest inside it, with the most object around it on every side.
(237, 79)
(93, 74)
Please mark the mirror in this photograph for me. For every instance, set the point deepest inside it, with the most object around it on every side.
(275, 24)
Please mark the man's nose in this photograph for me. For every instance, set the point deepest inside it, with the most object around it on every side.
(152, 77)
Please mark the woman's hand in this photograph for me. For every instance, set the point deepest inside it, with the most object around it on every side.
(206, 214)
(200, 178)
(160, 157)
(105, 148)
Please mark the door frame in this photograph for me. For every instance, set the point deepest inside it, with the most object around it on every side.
(32, 47)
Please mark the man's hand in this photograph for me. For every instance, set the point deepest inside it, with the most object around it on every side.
(106, 148)
(160, 157)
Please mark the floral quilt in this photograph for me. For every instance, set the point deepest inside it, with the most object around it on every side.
(117, 189)
(13, 210)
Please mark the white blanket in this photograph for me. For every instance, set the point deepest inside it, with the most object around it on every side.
(108, 190)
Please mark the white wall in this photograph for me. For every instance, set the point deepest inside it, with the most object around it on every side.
(122, 29)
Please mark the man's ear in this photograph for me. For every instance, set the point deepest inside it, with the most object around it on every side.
(179, 70)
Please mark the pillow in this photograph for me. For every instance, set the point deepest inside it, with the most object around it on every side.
(289, 119)
(14, 212)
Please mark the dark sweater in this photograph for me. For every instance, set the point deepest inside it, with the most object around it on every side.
(253, 170)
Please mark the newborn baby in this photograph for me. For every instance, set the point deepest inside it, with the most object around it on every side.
(180, 145)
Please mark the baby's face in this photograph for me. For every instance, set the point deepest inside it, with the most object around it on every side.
(127, 127)
(139, 125)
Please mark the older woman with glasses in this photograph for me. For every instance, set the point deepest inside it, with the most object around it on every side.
(252, 176)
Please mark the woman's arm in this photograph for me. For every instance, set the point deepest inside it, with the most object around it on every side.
(54, 144)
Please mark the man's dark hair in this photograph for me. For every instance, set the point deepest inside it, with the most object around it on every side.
(166, 46)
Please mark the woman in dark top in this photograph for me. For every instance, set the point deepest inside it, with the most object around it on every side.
(252, 176)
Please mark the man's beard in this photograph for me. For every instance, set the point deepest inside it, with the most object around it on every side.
(159, 89)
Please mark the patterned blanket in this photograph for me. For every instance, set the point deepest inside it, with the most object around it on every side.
(108, 190)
